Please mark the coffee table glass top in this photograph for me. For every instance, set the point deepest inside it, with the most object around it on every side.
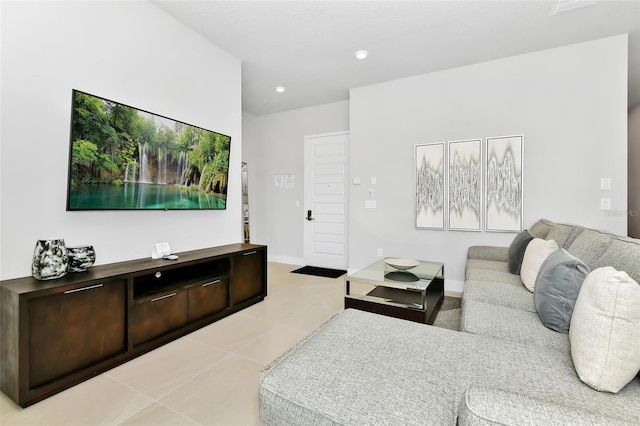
(382, 274)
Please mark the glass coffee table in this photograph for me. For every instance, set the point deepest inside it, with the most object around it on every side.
(414, 294)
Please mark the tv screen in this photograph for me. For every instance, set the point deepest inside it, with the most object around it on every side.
(124, 158)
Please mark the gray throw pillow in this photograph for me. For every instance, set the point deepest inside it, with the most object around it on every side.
(557, 287)
(516, 251)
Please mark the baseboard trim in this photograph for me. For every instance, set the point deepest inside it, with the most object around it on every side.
(453, 294)
(285, 259)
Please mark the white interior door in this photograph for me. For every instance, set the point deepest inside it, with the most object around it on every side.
(325, 200)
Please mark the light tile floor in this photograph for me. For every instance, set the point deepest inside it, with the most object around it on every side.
(209, 377)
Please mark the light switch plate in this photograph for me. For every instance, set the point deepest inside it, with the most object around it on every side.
(605, 204)
(370, 204)
(605, 184)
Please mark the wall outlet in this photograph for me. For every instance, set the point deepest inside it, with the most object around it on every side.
(605, 204)
(379, 252)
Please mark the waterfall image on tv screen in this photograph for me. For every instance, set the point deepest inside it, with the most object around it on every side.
(124, 158)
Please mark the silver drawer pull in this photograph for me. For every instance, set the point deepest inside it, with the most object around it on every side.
(212, 282)
(75, 290)
(163, 297)
(249, 253)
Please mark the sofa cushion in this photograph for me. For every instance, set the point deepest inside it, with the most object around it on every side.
(557, 287)
(488, 253)
(560, 233)
(576, 231)
(541, 228)
(590, 245)
(536, 253)
(493, 276)
(511, 324)
(517, 249)
(622, 254)
(482, 405)
(491, 265)
(511, 296)
(344, 375)
(605, 330)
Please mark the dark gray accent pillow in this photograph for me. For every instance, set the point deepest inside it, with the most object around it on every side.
(516, 251)
(557, 287)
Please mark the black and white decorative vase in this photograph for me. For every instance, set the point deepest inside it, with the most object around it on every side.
(50, 259)
(81, 258)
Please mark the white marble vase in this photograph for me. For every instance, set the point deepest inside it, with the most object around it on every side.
(50, 259)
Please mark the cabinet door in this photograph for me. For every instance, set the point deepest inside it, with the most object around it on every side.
(154, 316)
(75, 329)
(248, 277)
(208, 298)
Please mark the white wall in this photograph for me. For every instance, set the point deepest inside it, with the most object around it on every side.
(634, 172)
(126, 51)
(571, 105)
(277, 147)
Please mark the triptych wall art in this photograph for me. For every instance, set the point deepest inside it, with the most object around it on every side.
(450, 178)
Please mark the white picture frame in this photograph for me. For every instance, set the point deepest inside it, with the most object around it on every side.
(465, 185)
(430, 165)
(504, 173)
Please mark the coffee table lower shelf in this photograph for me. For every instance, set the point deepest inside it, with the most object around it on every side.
(398, 303)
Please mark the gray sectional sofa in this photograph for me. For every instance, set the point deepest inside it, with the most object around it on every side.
(503, 367)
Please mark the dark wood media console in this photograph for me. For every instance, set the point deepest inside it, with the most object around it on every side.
(55, 334)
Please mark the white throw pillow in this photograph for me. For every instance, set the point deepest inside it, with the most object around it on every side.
(537, 252)
(605, 330)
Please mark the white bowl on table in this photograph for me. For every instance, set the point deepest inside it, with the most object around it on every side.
(401, 264)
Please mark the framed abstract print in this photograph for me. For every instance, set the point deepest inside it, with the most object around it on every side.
(504, 178)
(465, 185)
(430, 185)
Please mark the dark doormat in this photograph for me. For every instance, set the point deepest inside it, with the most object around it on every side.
(320, 272)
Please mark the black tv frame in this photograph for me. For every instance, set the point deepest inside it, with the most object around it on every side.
(126, 158)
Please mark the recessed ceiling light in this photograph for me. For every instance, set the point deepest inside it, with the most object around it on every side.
(361, 54)
(280, 89)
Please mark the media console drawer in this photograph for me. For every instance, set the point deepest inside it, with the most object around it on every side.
(57, 333)
(207, 298)
(155, 316)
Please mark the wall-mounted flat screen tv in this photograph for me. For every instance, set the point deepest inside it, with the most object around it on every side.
(124, 158)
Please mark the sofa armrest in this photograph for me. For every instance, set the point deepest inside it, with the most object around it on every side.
(486, 406)
(499, 254)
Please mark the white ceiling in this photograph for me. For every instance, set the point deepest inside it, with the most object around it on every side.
(308, 46)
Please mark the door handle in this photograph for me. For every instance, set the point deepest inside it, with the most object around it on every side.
(309, 216)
